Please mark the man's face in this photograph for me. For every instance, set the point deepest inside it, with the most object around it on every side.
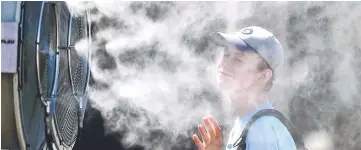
(237, 70)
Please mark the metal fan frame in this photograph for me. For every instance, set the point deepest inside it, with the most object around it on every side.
(18, 80)
(52, 138)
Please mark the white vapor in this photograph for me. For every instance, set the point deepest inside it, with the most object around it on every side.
(162, 79)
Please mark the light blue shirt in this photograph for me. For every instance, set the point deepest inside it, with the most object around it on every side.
(266, 133)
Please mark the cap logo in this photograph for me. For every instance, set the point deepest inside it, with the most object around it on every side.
(247, 31)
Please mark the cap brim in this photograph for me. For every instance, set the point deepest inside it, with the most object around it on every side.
(223, 40)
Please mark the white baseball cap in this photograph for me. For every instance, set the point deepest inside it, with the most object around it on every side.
(253, 38)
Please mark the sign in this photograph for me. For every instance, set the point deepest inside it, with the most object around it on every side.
(9, 46)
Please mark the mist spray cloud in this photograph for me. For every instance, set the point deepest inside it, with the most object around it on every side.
(158, 71)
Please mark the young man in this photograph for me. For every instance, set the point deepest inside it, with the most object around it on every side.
(246, 70)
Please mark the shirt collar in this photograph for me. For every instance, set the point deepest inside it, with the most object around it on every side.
(266, 105)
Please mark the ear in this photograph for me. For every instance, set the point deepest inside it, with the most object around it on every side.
(266, 75)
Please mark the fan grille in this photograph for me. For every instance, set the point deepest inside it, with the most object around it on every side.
(66, 117)
(79, 61)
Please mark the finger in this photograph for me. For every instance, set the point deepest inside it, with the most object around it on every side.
(209, 129)
(198, 142)
(203, 133)
(215, 126)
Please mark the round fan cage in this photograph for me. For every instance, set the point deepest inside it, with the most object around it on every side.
(52, 117)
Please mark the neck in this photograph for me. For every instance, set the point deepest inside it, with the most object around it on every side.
(246, 102)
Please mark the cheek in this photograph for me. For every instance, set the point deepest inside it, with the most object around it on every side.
(244, 78)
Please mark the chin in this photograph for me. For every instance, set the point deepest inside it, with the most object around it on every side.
(225, 88)
(222, 84)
